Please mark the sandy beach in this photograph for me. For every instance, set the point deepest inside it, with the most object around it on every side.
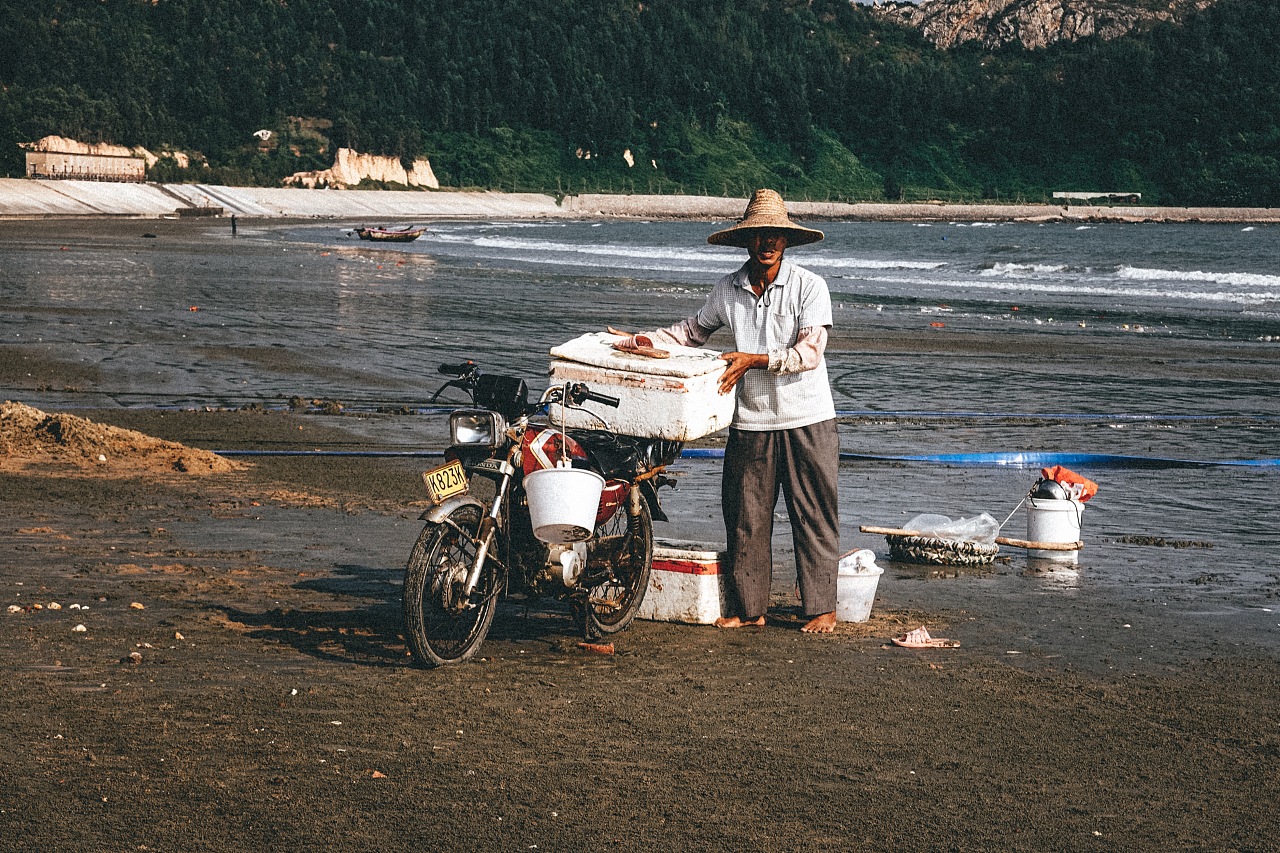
(240, 681)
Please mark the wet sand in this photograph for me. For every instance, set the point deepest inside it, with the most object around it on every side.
(261, 695)
(242, 683)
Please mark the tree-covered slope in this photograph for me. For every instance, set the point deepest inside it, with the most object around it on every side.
(821, 98)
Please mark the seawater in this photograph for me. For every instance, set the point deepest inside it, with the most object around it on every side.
(1145, 339)
(1055, 288)
(1159, 342)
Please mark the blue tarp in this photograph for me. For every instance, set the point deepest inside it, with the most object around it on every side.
(1010, 459)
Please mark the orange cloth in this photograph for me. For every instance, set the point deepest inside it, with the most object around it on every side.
(1067, 477)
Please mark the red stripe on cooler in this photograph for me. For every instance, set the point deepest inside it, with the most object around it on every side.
(687, 567)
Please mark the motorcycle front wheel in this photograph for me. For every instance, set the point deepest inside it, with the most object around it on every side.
(441, 623)
(619, 560)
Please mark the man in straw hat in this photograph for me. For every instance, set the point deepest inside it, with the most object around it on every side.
(783, 434)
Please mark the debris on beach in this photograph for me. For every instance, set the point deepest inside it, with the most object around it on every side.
(29, 436)
(920, 638)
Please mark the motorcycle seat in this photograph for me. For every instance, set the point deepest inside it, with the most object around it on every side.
(615, 456)
(624, 457)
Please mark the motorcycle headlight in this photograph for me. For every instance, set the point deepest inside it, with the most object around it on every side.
(476, 428)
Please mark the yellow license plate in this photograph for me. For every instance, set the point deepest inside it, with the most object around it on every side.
(445, 482)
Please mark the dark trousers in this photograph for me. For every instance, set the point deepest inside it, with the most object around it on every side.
(804, 463)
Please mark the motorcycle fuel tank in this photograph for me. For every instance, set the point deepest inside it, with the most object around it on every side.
(544, 447)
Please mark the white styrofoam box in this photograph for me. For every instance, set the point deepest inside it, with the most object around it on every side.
(674, 398)
(685, 586)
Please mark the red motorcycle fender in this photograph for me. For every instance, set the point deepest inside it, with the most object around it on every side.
(437, 514)
(613, 495)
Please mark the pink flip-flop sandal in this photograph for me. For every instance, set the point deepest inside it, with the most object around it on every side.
(630, 344)
(920, 639)
(648, 352)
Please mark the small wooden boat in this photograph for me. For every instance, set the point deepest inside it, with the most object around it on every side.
(390, 235)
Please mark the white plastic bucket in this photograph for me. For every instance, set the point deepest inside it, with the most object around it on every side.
(856, 586)
(1054, 521)
(563, 503)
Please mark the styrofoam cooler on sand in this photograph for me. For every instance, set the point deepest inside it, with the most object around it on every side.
(686, 585)
(675, 398)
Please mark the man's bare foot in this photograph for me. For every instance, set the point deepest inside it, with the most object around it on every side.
(823, 623)
(735, 622)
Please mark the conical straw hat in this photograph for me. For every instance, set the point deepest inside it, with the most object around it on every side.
(765, 210)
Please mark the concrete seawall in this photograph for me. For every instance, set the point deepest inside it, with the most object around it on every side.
(30, 199)
(27, 199)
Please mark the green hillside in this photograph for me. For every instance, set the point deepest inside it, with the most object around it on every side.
(819, 98)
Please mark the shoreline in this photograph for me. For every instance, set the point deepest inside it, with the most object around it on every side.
(31, 200)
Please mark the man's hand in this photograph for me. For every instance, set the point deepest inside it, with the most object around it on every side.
(740, 363)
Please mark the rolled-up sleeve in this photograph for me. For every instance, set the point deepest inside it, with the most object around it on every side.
(686, 333)
(804, 354)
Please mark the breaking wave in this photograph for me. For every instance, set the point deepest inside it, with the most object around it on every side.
(816, 262)
(1231, 279)
(1015, 269)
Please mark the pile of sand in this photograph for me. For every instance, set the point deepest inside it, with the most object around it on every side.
(29, 436)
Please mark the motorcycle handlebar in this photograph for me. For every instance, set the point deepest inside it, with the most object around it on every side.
(579, 392)
(602, 398)
(574, 393)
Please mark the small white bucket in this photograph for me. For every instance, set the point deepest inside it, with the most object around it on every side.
(563, 503)
(1054, 521)
(856, 585)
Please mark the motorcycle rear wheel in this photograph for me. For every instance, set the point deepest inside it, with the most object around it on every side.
(440, 624)
(619, 561)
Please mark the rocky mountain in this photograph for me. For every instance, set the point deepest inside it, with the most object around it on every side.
(1035, 23)
(351, 167)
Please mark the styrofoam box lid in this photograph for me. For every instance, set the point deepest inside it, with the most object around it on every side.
(596, 349)
(683, 551)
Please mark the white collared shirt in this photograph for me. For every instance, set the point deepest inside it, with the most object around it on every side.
(794, 391)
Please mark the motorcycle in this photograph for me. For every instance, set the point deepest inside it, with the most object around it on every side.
(486, 534)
